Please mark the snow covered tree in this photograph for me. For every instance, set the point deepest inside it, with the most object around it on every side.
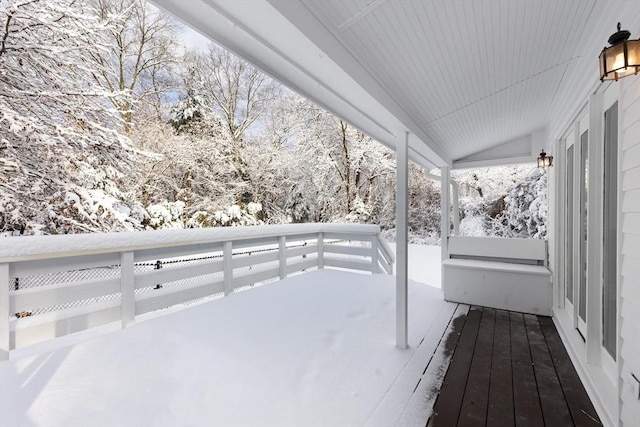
(239, 93)
(336, 162)
(184, 167)
(139, 58)
(59, 158)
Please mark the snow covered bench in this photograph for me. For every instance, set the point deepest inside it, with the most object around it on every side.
(509, 274)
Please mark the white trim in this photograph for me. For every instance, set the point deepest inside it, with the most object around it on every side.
(468, 164)
(594, 230)
(597, 369)
(620, 379)
(559, 174)
(590, 375)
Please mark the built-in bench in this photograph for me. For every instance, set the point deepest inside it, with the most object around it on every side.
(509, 274)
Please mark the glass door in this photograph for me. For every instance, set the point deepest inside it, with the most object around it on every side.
(575, 223)
(583, 231)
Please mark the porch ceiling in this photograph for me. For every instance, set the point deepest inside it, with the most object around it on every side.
(462, 77)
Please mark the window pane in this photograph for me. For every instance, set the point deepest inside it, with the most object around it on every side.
(584, 200)
(569, 262)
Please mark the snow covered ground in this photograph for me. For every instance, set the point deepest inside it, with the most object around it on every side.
(425, 264)
(314, 349)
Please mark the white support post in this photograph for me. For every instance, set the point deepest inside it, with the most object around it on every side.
(227, 257)
(320, 251)
(402, 238)
(558, 183)
(282, 252)
(455, 199)
(374, 254)
(5, 332)
(127, 287)
(445, 220)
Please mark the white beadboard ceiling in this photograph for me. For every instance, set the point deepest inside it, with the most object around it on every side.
(461, 77)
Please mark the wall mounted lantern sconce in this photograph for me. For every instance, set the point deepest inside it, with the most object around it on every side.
(545, 161)
(622, 58)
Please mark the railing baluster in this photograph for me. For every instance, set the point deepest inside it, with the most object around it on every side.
(282, 248)
(127, 287)
(227, 254)
(374, 254)
(320, 251)
(5, 333)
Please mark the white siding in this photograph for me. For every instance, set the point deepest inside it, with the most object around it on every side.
(629, 361)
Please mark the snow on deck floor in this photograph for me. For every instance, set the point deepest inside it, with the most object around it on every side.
(314, 349)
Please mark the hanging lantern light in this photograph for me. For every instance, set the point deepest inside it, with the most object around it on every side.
(622, 58)
(545, 161)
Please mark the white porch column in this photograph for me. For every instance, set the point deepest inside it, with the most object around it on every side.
(402, 237)
(455, 199)
(445, 221)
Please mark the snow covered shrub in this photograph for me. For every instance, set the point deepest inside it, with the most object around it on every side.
(526, 205)
(517, 208)
(419, 237)
(473, 226)
(234, 215)
(165, 215)
(360, 212)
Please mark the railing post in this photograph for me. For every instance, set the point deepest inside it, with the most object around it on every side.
(445, 215)
(227, 256)
(127, 286)
(320, 251)
(282, 249)
(374, 254)
(5, 333)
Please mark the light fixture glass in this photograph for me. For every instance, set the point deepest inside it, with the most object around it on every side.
(545, 161)
(622, 58)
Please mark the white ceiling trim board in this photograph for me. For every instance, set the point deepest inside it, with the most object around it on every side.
(361, 14)
(326, 41)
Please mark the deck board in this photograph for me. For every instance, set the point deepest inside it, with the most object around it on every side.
(447, 406)
(554, 407)
(500, 410)
(525, 397)
(582, 411)
(511, 369)
(476, 394)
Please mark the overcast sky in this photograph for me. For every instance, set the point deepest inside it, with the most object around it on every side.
(193, 39)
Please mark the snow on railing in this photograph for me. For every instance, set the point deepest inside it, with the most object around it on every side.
(51, 286)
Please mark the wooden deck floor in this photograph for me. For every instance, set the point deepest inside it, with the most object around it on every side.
(510, 369)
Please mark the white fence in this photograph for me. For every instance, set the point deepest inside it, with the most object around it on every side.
(51, 286)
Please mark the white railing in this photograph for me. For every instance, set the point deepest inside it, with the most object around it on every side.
(55, 285)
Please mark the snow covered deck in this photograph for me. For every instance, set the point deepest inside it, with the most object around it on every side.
(313, 349)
